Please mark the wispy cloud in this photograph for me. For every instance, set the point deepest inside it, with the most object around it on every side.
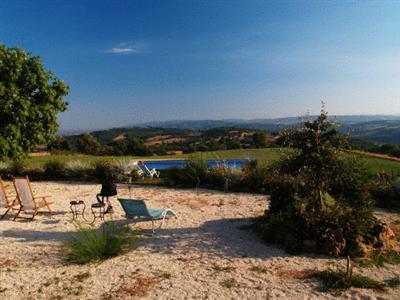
(125, 48)
(118, 50)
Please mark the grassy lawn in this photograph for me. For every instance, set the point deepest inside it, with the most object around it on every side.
(265, 156)
(262, 155)
(376, 165)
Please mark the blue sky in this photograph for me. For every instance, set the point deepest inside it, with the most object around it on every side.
(136, 61)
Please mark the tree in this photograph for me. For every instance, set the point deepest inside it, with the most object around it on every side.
(137, 147)
(317, 159)
(260, 139)
(58, 143)
(316, 193)
(88, 144)
(118, 148)
(30, 99)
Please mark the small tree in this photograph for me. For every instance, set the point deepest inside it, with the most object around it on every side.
(260, 139)
(88, 144)
(58, 143)
(316, 162)
(316, 193)
(117, 148)
(137, 147)
(30, 99)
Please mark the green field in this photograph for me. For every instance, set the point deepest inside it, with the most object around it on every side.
(264, 156)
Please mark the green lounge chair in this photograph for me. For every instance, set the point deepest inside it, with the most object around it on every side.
(137, 211)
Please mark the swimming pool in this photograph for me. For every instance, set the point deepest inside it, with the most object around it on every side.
(165, 164)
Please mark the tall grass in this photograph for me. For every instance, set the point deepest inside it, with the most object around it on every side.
(92, 245)
(77, 169)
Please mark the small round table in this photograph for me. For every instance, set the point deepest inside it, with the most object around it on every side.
(98, 211)
(77, 208)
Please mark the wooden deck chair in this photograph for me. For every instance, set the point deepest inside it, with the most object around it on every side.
(5, 200)
(29, 203)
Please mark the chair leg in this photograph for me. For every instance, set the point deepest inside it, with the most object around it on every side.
(48, 207)
(34, 214)
(5, 213)
(19, 211)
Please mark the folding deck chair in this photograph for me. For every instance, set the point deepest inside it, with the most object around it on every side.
(29, 203)
(5, 201)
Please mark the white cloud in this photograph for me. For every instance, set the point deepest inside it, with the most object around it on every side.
(125, 48)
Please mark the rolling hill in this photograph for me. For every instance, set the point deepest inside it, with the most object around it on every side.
(377, 128)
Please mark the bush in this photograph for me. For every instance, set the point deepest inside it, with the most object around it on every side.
(4, 167)
(220, 177)
(17, 168)
(386, 192)
(317, 196)
(88, 144)
(193, 174)
(135, 176)
(255, 178)
(91, 245)
(337, 281)
(55, 169)
(110, 171)
(77, 170)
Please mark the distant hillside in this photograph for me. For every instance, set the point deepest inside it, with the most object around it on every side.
(378, 128)
(378, 131)
(107, 136)
(277, 123)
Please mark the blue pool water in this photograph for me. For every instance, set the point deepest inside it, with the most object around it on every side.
(165, 164)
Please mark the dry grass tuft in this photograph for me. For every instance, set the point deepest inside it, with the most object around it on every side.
(218, 268)
(198, 203)
(259, 269)
(7, 263)
(141, 287)
(230, 283)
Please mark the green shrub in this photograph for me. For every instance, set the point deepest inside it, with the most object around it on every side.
(393, 282)
(222, 177)
(386, 193)
(255, 178)
(196, 171)
(134, 174)
(337, 281)
(3, 166)
(316, 194)
(121, 169)
(90, 245)
(17, 167)
(105, 170)
(77, 170)
(193, 174)
(54, 169)
(390, 257)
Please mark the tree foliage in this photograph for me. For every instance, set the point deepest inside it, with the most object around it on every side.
(58, 143)
(316, 194)
(260, 139)
(30, 99)
(317, 161)
(88, 144)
